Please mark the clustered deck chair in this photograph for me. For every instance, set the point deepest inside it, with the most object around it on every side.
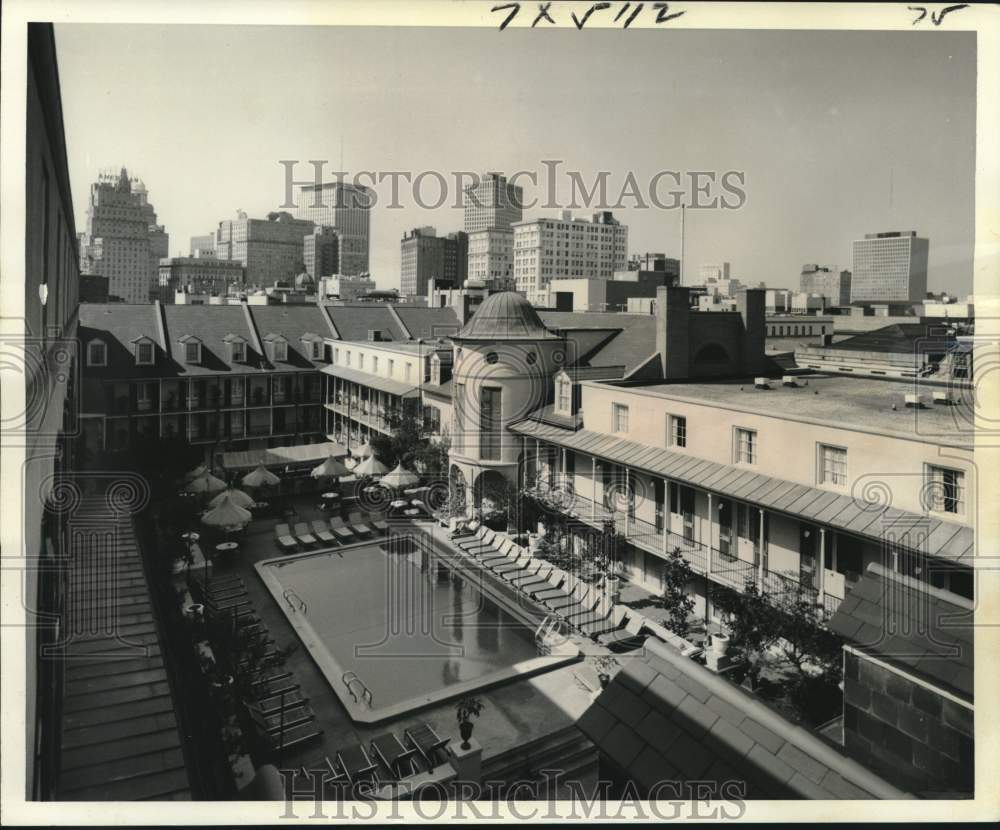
(321, 529)
(396, 758)
(303, 535)
(354, 766)
(465, 527)
(357, 525)
(626, 638)
(342, 532)
(428, 744)
(284, 537)
(376, 521)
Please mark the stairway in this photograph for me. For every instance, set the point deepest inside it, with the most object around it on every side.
(567, 751)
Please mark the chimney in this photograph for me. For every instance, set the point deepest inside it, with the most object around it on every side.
(750, 303)
(672, 330)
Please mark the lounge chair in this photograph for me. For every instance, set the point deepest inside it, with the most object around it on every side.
(585, 607)
(356, 766)
(464, 527)
(284, 739)
(358, 526)
(398, 760)
(531, 581)
(530, 572)
(599, 614)
(376, 521)
(322, 531)
(617, 620)
(481, 537)
(568, 600)
(560, 589)
(303, 535)
(342, 531)
(428, 743)
(284, 537)
(628, 638)
(501, 550)
(516, 563)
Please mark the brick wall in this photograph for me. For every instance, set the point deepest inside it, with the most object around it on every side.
(920, 740)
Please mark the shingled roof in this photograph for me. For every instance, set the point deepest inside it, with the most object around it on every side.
(911, 625)
(666, 718)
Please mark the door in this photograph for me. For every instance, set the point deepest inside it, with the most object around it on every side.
(808, 536)
(726, 529)
(687, 511)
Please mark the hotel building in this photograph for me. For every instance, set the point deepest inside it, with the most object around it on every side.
(269, 249)
(551, 249)
(493, 203)
(122, 241)
(828, 282)
(889, 268)
(204, 275)
(491, 258)
(425, 256)
(346, 208)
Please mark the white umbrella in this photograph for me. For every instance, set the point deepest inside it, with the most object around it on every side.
(364, 451)
(331, 468)
(400, 478)
(350, 463)
(227, 515)
(238, 497)
(197, 472)
(260, 477)
(206, 483)
(371, 466)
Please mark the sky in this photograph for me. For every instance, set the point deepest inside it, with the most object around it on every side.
(838, 134)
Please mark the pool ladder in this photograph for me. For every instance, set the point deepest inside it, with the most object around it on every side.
(288, 593)
(350, 680)
(553, 630)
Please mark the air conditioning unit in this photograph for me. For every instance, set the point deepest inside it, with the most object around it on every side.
(788, 380)
(944, 397)
(913, 399)
(761, 383)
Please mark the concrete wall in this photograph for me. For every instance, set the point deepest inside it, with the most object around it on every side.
(917, 738)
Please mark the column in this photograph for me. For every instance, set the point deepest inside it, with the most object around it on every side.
(593, 494)
(666, 519)
(708, 548)
(821, 576)
(761, 552)
(628, 502)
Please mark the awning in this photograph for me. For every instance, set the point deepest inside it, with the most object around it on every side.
(393, 387)
(947, 540)
(299, 455)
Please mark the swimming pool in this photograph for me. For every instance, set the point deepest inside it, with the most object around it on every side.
(393, 632)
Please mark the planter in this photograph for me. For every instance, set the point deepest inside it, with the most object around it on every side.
(604, 679)
(194, 611)
(465, 730)
(612, 586)
(719, 644)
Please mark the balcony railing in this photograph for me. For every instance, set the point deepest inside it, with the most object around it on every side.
(259, 429)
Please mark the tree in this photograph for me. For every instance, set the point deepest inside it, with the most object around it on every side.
(754, 623)
(804, 641)
(677, 575)
(405, 440)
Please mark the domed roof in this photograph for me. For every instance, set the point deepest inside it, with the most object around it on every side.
(303, 280)
(505, 316)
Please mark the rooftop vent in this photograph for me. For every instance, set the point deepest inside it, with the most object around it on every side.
(374, 335)
(788, 380)
(913, 399)
(761, 383)
(944, 397)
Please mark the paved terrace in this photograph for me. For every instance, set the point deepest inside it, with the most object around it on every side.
(517, 713)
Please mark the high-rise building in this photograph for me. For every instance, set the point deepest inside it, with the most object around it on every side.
(204, 275)
(492, 203)
(203, 245)
(550, 249)
(491, 258)
(713, 272)
(321, 252)
(346, 208)
(424, 256)
(123, 242)
(656, 262)
(889, 267)
(270, 249)
(828, 282)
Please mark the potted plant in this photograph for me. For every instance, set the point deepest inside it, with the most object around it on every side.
(466, 709)
(605, 665)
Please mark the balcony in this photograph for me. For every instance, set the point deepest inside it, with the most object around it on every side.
(259, 429)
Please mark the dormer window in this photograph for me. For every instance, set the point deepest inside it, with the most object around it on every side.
(436, 370)
(237, 348)
(145, 351)
(97, 353)
(192, 349)
(313, 345)
(277, 347)
(564, 396)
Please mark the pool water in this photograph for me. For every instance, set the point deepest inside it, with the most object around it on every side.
(411, 628)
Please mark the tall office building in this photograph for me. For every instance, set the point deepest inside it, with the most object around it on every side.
(321, 252)
(424, 256)
(713, 272)
(346, 208)
(491, 258)
(202, 246)
(828, 282)
(123, 242)
(492, 203)
(890, 267)
(656, 263)
(270, 249)
(550, 249)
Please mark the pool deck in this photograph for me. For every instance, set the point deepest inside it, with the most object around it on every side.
(516, 713)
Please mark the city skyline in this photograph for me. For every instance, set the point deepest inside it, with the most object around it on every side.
(836, 160)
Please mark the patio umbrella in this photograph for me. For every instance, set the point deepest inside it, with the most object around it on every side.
(227, 515)
(364, 451)
(371, 466)
(400, 478)
(206, 483)
(260, 477)
(198, 471)
(238, 498)
(331, 468)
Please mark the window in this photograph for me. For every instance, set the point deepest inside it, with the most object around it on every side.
(392, 366)
(458, 409)
(361, 361)
(945, 489)
(317, 350)
(432, 420)
(408, 371)
(832, 465)
(280, 350)
(144, 353)
(746, 446)
(619, 418)
(336, 356)
(239, 352)
(348, 358)
(565, 396)
(678, 431)
(489, 424)
(192, 352)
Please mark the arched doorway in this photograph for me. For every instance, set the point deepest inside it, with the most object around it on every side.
(493, 496)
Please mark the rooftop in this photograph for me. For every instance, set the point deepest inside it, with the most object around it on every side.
(834, 400)
(506, 315)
